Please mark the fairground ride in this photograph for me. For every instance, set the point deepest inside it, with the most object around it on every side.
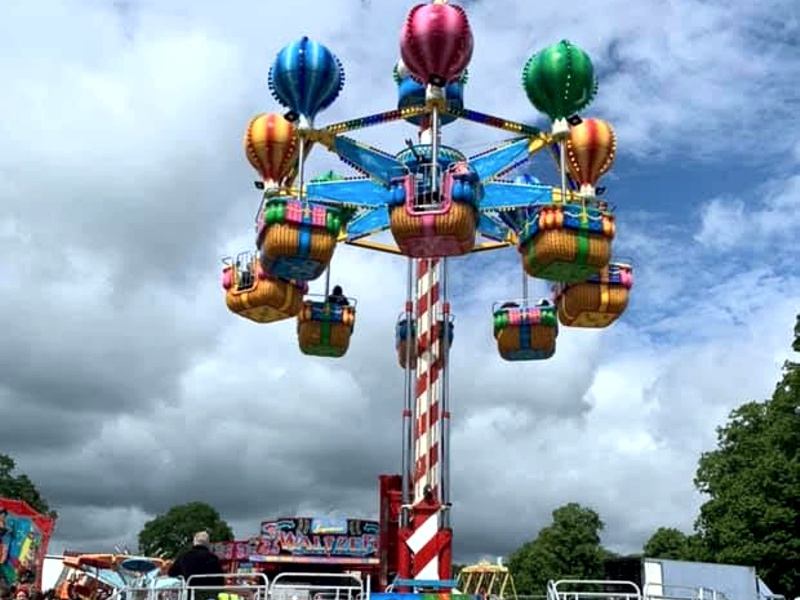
(438, 204)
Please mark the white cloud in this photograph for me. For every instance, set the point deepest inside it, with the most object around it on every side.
(122, 180)
(772, 217)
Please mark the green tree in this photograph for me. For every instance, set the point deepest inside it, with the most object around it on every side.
(752, 481)
(171, 533)
(20, 487)
(568, 548)
(668, 542)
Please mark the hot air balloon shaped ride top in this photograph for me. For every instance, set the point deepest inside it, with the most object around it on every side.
(306, 78)
(560, 82)
(436, 43)
(591, 149)
(271, 146)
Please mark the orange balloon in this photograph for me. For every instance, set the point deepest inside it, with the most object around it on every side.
(272, 147)
(591, 149)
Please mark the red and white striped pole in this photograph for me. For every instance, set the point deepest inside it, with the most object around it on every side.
(426, 541)
(428, 538)
(427, 430)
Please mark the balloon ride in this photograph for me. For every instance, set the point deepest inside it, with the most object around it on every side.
(438, 204)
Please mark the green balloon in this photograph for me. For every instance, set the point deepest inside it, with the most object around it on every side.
(560, 80)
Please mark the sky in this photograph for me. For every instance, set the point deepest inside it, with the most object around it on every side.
(127, 387)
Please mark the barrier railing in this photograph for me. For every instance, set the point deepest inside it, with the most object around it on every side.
(318, 586)
(593, 589)
(660, 591)
(238, 586)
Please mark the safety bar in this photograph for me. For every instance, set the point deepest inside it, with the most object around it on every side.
(323, 298)
(402, 317)
(522, 303)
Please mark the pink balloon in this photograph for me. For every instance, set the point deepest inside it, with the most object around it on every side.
(436, 42)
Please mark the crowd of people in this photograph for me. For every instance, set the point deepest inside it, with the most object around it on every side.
(12, 592)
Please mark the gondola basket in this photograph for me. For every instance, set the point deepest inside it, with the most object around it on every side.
(566, 242)
(597, 302)
(297, 239)
(526, 333)
(324, 329)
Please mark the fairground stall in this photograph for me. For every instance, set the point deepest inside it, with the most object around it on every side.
(308, 545)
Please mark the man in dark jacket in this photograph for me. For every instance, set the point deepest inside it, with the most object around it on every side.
(200, 560)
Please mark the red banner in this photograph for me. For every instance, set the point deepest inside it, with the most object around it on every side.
(24, 538)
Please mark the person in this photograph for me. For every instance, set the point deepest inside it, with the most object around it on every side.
(337, 297)
(199, 563)
(244, 268)
(506, 305)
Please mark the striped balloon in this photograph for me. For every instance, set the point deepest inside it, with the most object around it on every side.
(271, 145)
(436, 42)
(591, 149)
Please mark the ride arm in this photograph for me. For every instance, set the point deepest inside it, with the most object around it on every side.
(351, 193)
(504, 158)
(500, 196)
(368, 223)
(496, 122)
(370, 161)
(327, 134)
(494, 229)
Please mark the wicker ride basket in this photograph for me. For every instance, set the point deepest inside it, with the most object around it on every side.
(401, 342)
(406, 348)
(526, 333)
(567, 243)
(260, 298)
(597, 302)
(402, 348)
(298, 239)
(324, 329)
(452, 232)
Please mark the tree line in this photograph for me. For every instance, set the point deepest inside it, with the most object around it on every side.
(751, 513)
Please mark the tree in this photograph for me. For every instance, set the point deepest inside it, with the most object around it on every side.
(20, 487)
(752, 481)
(171, 533)
(666, 542)
(568, 548)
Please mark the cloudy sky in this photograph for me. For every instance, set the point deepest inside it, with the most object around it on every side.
(127, 387)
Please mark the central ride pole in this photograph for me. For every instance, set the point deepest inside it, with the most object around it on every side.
(427, 540)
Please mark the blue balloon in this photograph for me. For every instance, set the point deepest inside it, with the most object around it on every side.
(306, 77)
